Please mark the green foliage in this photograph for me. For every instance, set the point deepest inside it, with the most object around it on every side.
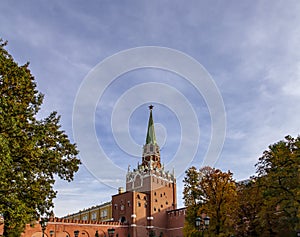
(189, 224)
(191, 190)
(279, 180)
(249, 203)
(269, 204)
(32, 151)
(191, 196)
(209, 192)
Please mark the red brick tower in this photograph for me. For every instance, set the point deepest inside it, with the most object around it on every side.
(150, 192)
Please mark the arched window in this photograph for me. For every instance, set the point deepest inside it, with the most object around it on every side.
(151, 148)
(123, 219)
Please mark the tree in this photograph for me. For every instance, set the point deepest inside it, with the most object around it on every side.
(191, 196)
(278, 173)
(32, 152)
(249, 203)
(219, 199)
(213, 192)
(191, 190)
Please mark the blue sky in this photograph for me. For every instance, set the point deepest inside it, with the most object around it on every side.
(251, 50)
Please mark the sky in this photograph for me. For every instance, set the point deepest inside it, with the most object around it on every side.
(223, 76)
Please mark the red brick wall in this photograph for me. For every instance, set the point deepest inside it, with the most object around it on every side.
(66, 228)
(176, 220)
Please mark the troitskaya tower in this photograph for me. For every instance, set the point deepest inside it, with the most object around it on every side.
(150, 191)
(138, 179)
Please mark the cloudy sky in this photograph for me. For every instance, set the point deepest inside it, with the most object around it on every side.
(242, 95)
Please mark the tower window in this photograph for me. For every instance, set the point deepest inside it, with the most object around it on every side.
(123, 219)
(139, 204)
(103, 214)
(151, 148)
(94, 216)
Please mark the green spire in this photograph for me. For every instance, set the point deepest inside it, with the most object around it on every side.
(151, 139)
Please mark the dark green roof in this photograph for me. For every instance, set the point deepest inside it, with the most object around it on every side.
(151, 139)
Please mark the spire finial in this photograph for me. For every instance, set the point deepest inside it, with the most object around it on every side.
(151, 107)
